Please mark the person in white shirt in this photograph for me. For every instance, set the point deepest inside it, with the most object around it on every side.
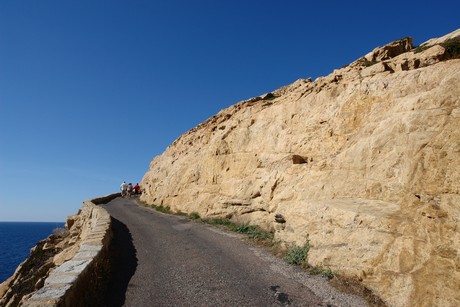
(130, 189)
(124, 189)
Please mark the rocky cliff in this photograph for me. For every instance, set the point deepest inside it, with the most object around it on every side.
(365, 162)
(68, 267)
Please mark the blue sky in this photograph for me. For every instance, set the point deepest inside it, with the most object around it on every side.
(91, 91)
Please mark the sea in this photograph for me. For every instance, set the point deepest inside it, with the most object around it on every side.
(16, 240)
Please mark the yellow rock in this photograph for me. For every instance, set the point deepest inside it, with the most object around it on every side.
(364, 162)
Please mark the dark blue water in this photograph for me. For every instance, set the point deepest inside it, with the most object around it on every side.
(16, 240)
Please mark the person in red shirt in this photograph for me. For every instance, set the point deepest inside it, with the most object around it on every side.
(136, 188)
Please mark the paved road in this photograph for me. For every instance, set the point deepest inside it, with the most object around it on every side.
(165, 260)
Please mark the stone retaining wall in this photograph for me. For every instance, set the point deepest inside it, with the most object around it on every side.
(75, 281)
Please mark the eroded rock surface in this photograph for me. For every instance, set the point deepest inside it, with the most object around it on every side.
(364, 162)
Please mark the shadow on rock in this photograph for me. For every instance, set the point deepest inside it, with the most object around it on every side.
(123, 263)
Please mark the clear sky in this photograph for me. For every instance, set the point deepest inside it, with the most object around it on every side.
(91, 91)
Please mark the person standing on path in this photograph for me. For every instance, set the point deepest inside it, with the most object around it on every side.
(130, 189)
(136, 188)
(123, 188)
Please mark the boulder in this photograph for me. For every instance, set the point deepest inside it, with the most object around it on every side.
(390, 50)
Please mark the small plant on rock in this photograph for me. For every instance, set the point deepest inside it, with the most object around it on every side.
(319, 270)
(452, 47)
(194, 216)
(163, 209)
(422, 48)
(298, 255)
(180, 213)
(253, 232)
(328, 273)
(220, 222)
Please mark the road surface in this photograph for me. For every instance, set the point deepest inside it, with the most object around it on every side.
(166, 260)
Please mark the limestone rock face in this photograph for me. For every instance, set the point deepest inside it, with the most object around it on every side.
(365, 163)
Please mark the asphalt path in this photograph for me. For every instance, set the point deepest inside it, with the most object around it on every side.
(165, 260)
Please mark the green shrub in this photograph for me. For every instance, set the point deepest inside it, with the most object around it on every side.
(180, 213)
(269, 96)
(315, 270)
(422, 48)
(253, 232)
(194, 216)
(163, 209)
(328, 273)
(452, 47)
(298, 255)
(244, 228)
(319, 270)
(223, 222)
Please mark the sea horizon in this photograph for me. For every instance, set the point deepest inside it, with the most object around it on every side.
(60, 222)
(16, 240)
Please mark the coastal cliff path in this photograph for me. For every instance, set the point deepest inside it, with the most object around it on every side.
(166, 260)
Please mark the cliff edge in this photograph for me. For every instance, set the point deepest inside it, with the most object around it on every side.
(365, 162)
(69, 267)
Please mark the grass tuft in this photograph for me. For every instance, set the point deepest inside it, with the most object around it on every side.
(164, 209)
(422, 48)
(251, 231)
(160, 208)
(319, 270)
(180, 213)
(298, 255)
(194, 216)
(220, 222)
(452, 47)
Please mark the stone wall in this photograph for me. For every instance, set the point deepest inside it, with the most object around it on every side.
(76, 276)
